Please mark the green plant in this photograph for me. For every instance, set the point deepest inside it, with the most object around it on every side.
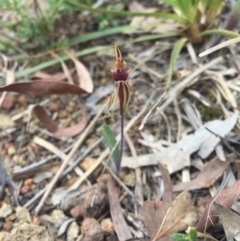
(195, 20)
(30, 22)
(107, 20)
(191, 235)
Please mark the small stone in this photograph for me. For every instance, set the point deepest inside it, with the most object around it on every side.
(62, 114)
(22, 99)
(11, 150)
(6, 122)
(75, 212)
(130, 179)
(55, 106)
(36, 221)
(58, 217)
(107, 225)
(23, 215)
(7, 226)
(11, 217)
(9, 101)
(69, 109)
(87, 163)
(5, 210)
(28, 182)
(91, 230)
(25, 189)
(72, 231)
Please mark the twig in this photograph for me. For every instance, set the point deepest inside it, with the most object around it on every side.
(138, 187)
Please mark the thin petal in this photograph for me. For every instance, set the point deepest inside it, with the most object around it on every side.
(124, 96)
(113, 96)
(117, 53)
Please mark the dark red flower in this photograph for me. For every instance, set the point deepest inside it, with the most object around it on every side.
(122, 88)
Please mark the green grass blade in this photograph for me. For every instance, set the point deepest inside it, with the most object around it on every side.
(52, 62)
(91, 50)
(111, 141)
(174, 56)
(154, 36)
(81, 6)
(172, 3)
(186, 8)
(100, 34)
(223, 32)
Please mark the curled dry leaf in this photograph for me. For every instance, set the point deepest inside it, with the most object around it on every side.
(210, 173)
(53, 127)
(226, 198)
(40, 75)
(85, 79)
(43, 87)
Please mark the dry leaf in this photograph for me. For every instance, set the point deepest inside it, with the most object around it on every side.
(53, 127)
(210, 173)
(119, 222)
(154, 211)
(180, 215)
(229, 220)
(85, 79)
(41, 75)
(7, 100)
(157, 24)
(226, 198)
(177, 156)
(43, 87)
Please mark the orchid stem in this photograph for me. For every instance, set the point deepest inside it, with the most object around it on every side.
(121, 142)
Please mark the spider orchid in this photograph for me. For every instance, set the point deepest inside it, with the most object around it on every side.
(122, 88)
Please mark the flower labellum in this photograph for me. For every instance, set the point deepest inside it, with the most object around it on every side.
(122, 88)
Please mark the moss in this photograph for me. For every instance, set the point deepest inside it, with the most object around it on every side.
(209, 113)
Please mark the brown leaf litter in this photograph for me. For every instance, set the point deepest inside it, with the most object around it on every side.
(229, 220)
(210, 173)
(168, 216)
(226, 198)
(46, 84)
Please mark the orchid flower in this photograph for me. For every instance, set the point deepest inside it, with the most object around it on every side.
(122, 88)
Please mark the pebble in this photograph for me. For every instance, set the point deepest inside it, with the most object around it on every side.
(25, 189)
(107, 225)
(72, 231)
(28, 182)
(7, 226)
(5, 210)
(11, 150)
(58, 217)
(23, 215)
